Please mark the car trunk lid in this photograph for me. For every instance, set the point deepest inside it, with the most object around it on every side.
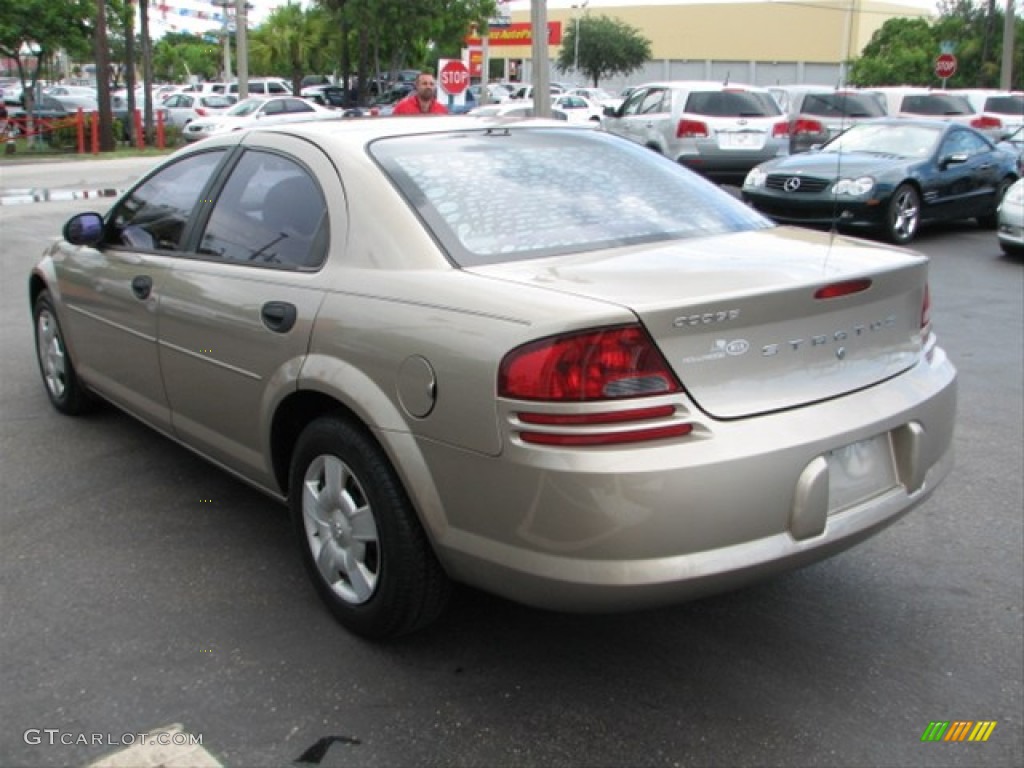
(742, 318)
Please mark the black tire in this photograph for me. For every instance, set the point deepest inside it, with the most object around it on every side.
(903, 215)
(359, 536)
(991, 220)
(63, 387)
(1012, 250)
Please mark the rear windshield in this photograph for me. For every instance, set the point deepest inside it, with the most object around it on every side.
(496, 195)
(1005, 105)
(732, 104)
(937, 104)
(842, 105)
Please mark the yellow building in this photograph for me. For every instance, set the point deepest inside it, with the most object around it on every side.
(766, 42)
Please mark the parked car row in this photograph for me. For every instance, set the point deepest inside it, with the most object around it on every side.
(859, 159)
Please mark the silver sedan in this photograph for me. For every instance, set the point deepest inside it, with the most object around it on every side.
(521, 355)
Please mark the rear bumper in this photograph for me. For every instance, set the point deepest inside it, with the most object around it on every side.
(608, 530)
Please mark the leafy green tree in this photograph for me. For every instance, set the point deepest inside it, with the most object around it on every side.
(177, 56)
(389, 35)
(903, 50)
(292, 40)
(43, 27)
(604, 47)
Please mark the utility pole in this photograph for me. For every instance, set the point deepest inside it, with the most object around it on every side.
(541, 79)
(1006, 72)
(242, 47)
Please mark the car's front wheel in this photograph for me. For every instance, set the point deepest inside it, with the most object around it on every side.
(903, 215)
(65, 390)
(991, 220)
(360, 539)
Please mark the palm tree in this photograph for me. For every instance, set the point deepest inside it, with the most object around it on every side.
(292, 40)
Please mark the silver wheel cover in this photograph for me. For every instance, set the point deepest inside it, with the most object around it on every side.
(905, 215)
(340, 529)
(51, 354)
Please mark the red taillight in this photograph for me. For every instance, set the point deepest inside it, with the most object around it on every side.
(595, 365)
(804, 125)
(780, 130)
(926, 307)
(845, 288)
(691, 129)
(986, 122)
(200, 111)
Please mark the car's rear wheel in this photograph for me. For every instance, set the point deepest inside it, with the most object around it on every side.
(65, 390)
(991, 220)
(361, 541)
(903, 215)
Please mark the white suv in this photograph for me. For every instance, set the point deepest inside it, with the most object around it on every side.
(1001, 112)
(719, 130)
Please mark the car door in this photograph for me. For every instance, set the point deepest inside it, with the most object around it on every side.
(113, 291)
(236, 317)
(625, 122)
(966, 177)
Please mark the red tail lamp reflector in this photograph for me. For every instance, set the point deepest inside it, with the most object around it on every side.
(780, 129)
(609, 364)
(585, 419)
(608, 438)
(845, 288)
(926, 307)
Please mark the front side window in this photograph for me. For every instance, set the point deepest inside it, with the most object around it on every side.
(270, 212)
(964, 143)
(508, 194)
(154, 215)
(633, 103)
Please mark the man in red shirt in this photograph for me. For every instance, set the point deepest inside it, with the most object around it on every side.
(423, 99)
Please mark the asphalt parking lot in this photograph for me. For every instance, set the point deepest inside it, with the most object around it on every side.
(143, 588)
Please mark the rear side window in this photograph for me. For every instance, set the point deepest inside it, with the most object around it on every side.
(732, 104)
(842, 105)
(271, 212)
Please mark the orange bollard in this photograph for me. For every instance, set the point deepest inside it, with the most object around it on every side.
(140, 138)
(160, 130)
(80, 130)
(95, 133)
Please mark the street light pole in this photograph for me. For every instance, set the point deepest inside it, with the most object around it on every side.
(576, 37)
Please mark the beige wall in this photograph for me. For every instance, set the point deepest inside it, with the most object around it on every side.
(753, 31)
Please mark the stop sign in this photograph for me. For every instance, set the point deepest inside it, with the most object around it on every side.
(945, 66)
(454, 77)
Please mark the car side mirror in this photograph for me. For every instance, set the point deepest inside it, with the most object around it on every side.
(84, 229)
(610, 112)
(957, 158)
